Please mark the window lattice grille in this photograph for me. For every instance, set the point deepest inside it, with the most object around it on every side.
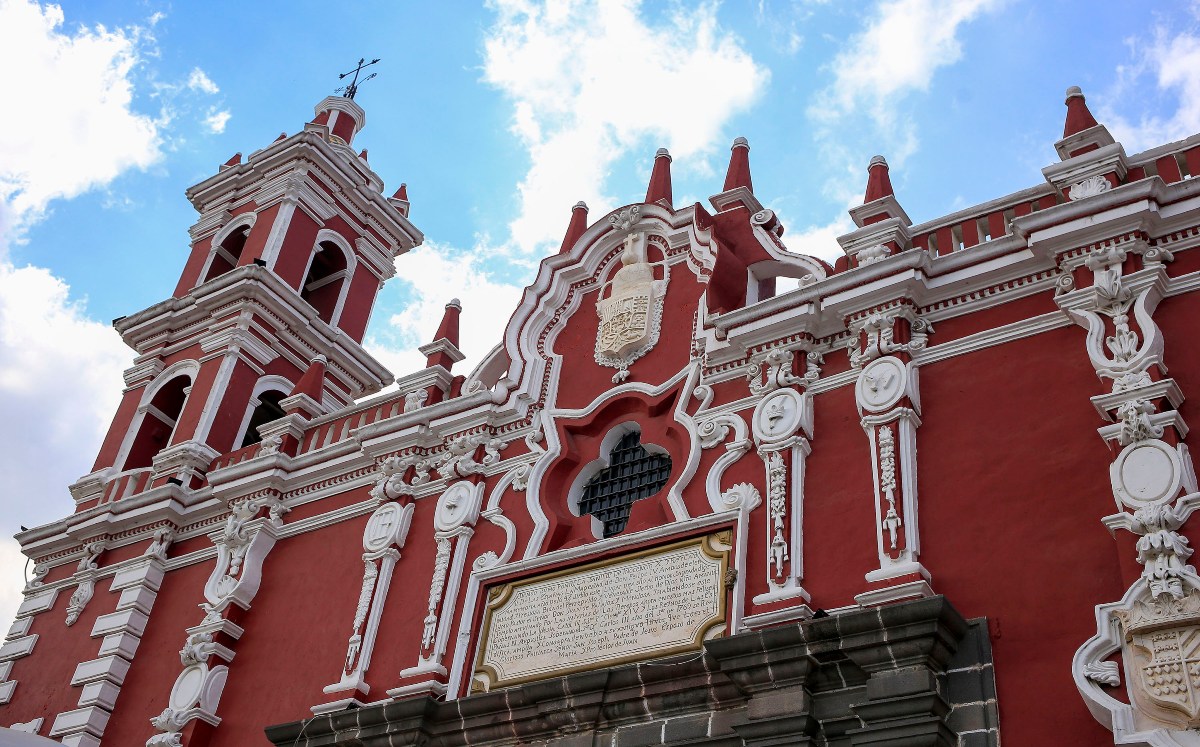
(631, 475)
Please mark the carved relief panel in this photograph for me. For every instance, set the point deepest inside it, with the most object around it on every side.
(781, 425)
(383, 537)
(889, 405)
(1156, 625)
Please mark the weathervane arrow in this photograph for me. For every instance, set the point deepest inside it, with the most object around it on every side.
(352, 89)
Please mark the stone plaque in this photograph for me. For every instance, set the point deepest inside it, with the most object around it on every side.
(649, 604)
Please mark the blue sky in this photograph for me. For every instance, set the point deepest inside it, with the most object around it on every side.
(499, 117)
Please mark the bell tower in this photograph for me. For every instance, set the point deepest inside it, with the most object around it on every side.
(290, 250)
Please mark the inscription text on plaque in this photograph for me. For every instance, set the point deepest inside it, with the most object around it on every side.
(652, 603)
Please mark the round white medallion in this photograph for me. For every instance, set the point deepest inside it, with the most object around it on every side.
(881, 384)
(1146, 472)
(188, 686)
(455, 507)
(778, 415)
(382, 527)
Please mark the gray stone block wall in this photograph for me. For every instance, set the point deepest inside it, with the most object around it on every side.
(912, 673)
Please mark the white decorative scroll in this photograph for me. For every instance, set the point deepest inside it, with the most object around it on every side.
(86, 573)
(873, 336)
(441, 565)
(242, 545)
(780, 422)
(383, 537)
(243, 542)
(650, 604)
(457, 510)
(1156, 626)
(415, 400)
(881, 391)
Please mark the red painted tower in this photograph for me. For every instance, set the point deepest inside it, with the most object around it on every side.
(288, 254)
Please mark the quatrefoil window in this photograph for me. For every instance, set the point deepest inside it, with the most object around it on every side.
(633, 473)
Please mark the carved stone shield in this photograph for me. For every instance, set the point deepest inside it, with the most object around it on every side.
(624, 323)
(1162, 651)
(631, 315)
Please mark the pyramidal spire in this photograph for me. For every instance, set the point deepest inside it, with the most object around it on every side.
(738, 174)
(1079, 117)
(313, 379)
(400, 200)
(879, 182)
(660, 178)
(448, 329)
(879, 201)
(576, 227)
(443, 351)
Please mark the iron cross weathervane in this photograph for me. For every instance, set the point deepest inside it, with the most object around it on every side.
(352, 89)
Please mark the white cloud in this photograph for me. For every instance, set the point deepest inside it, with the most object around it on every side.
(216, 120)
(60, 380)
(439, 274)
(902, 46)
(199, 81)
(85, 132)
(591, 80)
(819, 241)
(1168, 66)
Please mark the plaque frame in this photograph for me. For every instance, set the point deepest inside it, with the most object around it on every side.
(716, 545)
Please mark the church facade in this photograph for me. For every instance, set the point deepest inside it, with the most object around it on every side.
(706, 490)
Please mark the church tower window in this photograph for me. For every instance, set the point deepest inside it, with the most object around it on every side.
(633, 473)
(268, 409)
(327, 273)
(227, 253)
(158, 422)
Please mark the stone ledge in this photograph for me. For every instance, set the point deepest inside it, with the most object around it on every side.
(866, 676)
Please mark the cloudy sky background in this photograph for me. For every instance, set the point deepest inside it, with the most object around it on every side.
(500, 117)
